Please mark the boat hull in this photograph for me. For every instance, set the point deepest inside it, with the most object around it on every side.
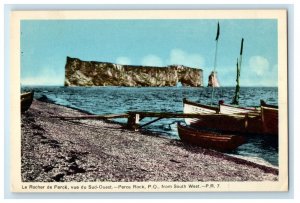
(26, 101)
(229, 109)
(240, 124)
(269, 117)
(193, 107)
(209, 139)
(234, 120)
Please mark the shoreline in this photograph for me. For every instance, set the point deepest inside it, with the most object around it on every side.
(96, 150)
(258, 161)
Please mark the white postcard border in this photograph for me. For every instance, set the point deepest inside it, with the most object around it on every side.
(18, 186)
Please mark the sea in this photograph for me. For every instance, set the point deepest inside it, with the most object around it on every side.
(114, 100)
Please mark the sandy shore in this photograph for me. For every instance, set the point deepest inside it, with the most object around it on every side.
(93, 150)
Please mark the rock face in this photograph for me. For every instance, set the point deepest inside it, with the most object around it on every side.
(213, 80)
(91, 73)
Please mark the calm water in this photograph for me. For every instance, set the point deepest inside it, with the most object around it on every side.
(107, 100)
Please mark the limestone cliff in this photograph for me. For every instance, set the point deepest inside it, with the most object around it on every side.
(91, 73)
(213, 80)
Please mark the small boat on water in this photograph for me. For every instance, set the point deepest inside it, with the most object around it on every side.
(269, 117)
(209, 139)
(26, 100)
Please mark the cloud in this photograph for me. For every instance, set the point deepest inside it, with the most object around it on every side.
(41, 80)
(259, 65)
(176, 57)
(259, 72)
(225, 74)
(123, 60)
(46, 76)
(180, 57)
(152, 60)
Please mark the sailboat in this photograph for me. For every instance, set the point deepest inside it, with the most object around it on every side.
(214, 129)
(229, 118)
(234, 108)
(193, 107)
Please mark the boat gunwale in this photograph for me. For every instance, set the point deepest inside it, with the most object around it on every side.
(265, 105)
(219, 143)
(238, 107)
(215, 134)
(185, 101)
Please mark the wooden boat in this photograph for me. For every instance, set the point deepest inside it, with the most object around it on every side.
(269, 117)
(226, 118)
(248, 123)
(263, 103)
(209, 139)
(232, 109)
(26, 100)
(234, 123)
(193, 107)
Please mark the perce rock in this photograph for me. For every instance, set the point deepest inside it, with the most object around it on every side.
(91, 73)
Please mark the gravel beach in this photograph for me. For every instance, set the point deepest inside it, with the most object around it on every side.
(60, 150)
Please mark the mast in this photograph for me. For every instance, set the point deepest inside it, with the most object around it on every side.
(238, 71)
(215, 63)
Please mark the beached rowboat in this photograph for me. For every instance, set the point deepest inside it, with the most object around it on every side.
(269, 117)
(26, 100)
(209, 139)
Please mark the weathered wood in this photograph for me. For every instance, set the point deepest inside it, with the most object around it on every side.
(150, 122)
(178, 115)
(26, 101)
(108, 116)
(133, 121)
(269, 117)
(136, 116)
(210, 139)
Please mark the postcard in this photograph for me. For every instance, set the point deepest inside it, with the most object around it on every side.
(149, 101)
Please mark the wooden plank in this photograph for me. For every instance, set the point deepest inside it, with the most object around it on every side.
(108, 116)
(133, 121)
(180, 115)
(150, 122)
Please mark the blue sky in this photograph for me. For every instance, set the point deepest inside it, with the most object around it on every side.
(45, 44)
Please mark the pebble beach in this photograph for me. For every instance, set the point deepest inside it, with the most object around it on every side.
(58, 150)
